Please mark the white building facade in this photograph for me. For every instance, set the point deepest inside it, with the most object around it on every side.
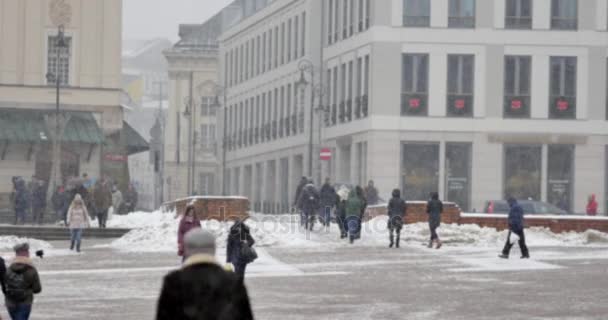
(478, 100)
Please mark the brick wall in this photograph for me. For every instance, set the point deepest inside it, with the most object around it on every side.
(416, 212)
(213, 208)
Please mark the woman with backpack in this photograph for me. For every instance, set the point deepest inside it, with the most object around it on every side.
(434, 208)
(77, 219)
(189, 221)
(239, 249)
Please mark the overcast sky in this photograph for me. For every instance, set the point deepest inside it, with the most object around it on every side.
(146, 19)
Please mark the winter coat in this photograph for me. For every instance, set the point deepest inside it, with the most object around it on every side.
(434, 208)
(102, 196)
(516, 217)
(299, 189)
(58, 200)
(309, 199)
(592, 206)
(78, 218)
(239, 233)
(371, 195)
(39, 197)
(22, 198)
(116, 200)
(354, 205)
(131, 197)
(182, 230)
(25, 267)
(396, 211)
(2, 273)
(328, 196)
(203, 290)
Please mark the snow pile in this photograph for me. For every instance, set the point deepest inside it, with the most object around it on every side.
(157, 232)
(8, 242)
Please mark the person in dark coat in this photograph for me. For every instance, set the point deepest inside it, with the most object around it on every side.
(354, 205)
(361, 195)
(131, 198)
(434, 208)
(516, 225)
(371, 194)
(102, 201)
(38, 202)
(296, 201)
(2, 274)
(239, 236)
(328, 202)
(57, 201)
(202, 289)
(21, 201)
(309, 204)
(396, 216)
(19, 294)
(342, 197)
(189, 221)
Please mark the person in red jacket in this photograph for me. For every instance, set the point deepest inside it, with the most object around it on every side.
(189, 221)
(592, 206)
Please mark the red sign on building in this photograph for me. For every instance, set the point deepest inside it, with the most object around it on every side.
(325, 154)
(459, 104)
(414, 103)
(562, 105)
(516, 104)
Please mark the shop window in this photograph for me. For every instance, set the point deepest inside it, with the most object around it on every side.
(517, 87)
(522, 171)
(560, 175)
(419, 170)
(458, 174)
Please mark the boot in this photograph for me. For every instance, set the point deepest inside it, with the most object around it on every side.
(72, 245)
(430, 246)
(503, 256)
(439, 244)
(397, 243)
(392, 242)
(78, 247)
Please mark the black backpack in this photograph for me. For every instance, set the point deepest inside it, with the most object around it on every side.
(16, 288)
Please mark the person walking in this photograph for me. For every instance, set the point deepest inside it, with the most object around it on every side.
(354, 205)
(188, 222)
(21, 284)
(57, 201)
(309, 204)
(361, 195)
(38, 201)
(328, 202)
(516, 226)
(102, 200)
(116, 200)
(78, 219)
(592, 206)
(238, 238)
(434, 208)
(342, 197)
(396, 216)
(371, 194)
(296, 202)
(21, 201)
(202, 289)
(131, 199)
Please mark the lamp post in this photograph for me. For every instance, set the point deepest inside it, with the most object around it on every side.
(56, 79)
(188, 115)
(220, 90)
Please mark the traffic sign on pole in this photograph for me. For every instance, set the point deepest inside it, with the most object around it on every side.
(325, 154)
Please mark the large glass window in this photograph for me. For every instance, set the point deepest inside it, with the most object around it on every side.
(518, 14)
(462, 14)
(517, 87)
(416, 13)
(419, 170)
(564, 14)
(458, 174)
(461, 84)
(560, 175)
(330, 22)
(562, 102)
(414, 84)
(522, 167)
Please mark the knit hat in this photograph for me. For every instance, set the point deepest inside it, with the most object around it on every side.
(21, 247)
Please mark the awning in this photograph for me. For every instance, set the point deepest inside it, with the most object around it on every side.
(135, 142)
(22, 126)
(83, 128)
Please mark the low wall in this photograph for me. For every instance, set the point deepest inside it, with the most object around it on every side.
(416, 212)
(212, 208)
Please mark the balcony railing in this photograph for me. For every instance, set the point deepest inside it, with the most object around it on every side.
(358, 108)
(342, 112)
(294, 124)
(349, 110)
(461, 22)
(518, 23)
(414, 104)
(287, 126)
(301, 122)
(416, 21)
(558, 23)
(334, 114)
(364, 106)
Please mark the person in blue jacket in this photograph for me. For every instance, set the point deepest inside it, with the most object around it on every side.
(516, 225)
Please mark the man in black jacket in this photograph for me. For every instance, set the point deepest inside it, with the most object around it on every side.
(328, 202)
(202, 289)
(21, 283)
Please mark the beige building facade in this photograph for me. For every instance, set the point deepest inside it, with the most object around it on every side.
(89, 69)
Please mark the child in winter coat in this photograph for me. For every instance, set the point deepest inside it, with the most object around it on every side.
(78, 219)
(396, 215)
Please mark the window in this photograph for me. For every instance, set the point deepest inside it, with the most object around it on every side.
(562, 102)
(204, 136)
(365, 103)
(351, 28)
(359, 94)
(518, 14)
(419, 170)
(337, 21)
(330, 23)
(296, 38)
(206, 106)
(303, 34)
(264, 52)
(349, 96)
(517, 87)
(462, 14)
(345, 19)
(59, 66)
(416, 13)
(361, 15)
(522, 172)
(270, 52)
(342, 111)
(283, 40)
(288, 39)
(334, 105)
(560, 173)
(367, 13)
(276, 47)
(564, 14)
(461, 84)
(606, 89)
(246, 62)
(458, 174)
(288, 112)
(414, 84)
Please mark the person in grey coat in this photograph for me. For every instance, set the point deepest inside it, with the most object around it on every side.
(396, 215)
(434, 208)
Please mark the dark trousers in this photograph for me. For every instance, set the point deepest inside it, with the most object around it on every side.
(20, 216)
(20, 312)
(76, 239)
(102, 216)
(38, 215)
(522, 243)
(354, 227)
(397, 231)
(341, 220)
(239, 269)
(433, 228)
(309, 219)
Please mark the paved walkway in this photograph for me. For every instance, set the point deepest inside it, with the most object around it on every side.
(345, 283)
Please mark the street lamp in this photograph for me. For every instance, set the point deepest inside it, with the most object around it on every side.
(188, 115)
(56, 79)
(306, 66)
(220, 90)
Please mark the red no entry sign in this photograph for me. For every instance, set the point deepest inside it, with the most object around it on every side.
(325, 154)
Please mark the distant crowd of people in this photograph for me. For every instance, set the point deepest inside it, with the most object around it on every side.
(29, 199)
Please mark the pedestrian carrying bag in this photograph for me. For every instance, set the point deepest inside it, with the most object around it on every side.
(248, 254)
(15, 286)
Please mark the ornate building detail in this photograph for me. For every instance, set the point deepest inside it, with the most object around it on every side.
(60, 12)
